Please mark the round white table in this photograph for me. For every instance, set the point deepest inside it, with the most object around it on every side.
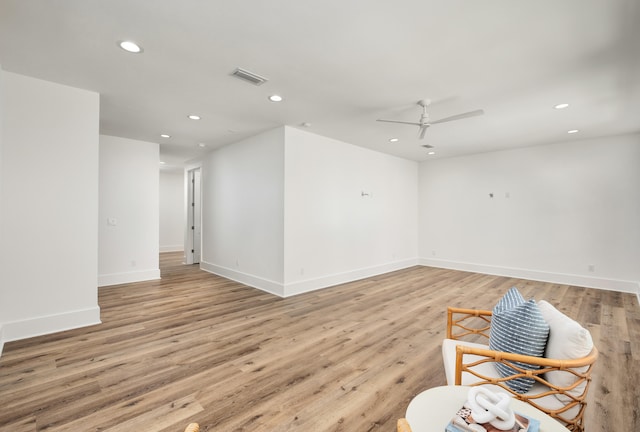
(431, 410)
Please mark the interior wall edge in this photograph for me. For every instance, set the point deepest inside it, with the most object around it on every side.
(537, 275)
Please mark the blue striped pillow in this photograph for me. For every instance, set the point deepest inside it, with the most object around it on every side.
(517, 326)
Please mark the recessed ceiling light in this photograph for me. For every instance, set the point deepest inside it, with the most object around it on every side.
(431, 153)
(275, 98)
(393, 140)
(561, 106)
(202, 145)
(194, 117)
(573, 131)
(165, 136)
(131, 47)
(162, 163)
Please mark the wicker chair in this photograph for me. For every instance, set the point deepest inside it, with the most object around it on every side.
(403, 425)
(476, 361)
(193, 427)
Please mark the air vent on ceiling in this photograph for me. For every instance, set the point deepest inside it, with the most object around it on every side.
(244, 74)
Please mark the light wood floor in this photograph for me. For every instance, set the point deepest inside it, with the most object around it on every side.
(197, 347)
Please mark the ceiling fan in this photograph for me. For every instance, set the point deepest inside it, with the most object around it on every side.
(424, 122)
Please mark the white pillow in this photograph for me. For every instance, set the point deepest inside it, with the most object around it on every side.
(567, 340)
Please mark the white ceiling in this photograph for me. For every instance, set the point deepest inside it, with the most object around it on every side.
(340, 65)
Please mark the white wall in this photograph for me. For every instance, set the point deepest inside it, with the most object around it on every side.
(242, 211)
(49, 182)
(172, 221)
(3, 301)
(333, 233)
(570, 205)
(284, 212)
(128, 221)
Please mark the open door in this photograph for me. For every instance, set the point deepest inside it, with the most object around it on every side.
(194, 228)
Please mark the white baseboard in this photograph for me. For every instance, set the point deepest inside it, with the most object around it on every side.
(38, 326)
(269, 286)
(129, 277)
(308, 285)
(170, 248)
(561, 278)
(295, 288)
(291, 289)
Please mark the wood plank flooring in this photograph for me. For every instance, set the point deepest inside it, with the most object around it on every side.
(194, 347)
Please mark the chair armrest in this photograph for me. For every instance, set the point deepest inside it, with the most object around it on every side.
(403, 425)
(546, 364)
(462, 319)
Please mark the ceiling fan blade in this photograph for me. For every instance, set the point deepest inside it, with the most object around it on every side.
(398, 121)
(423, 130)
(459, 116)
